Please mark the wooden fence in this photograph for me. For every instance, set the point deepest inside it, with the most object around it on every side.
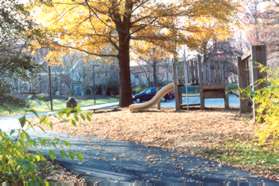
(211, 76)
(208, 73)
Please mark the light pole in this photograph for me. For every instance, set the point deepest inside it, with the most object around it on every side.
(50, 88)
(154, 68)
(186, 77)
(94, 83)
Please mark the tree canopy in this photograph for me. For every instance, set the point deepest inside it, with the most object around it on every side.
(111, 28)
(16, 33)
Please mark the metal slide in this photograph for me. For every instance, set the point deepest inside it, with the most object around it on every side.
(155, 100)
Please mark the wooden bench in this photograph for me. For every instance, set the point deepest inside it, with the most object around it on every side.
(213, 91)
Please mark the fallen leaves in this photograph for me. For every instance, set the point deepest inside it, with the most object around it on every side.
(165, 128)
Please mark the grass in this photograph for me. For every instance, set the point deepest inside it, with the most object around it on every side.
(248, 156)
(44, 106)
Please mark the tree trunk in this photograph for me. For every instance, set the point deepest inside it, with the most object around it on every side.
(124, 73)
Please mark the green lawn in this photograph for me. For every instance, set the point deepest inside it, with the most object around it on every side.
(44, 106)
(247, 155)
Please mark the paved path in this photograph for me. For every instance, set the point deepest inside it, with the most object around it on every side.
(234, 102)
(101, 106)
(125, 163)
(117, 162)
(30, 115)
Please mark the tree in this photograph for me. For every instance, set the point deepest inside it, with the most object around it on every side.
(93, 27)
(210, 32)
(260, 18)
(16, 33)
(152, 55)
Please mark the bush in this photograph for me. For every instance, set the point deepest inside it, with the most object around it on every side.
(4, 87)
(267, 109)
(18, 164)
(232, 87)
(13, 101)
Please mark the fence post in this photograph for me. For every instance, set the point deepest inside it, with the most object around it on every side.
(186, 80)
(243, 79)
(259, 58)
(176, 87)
(201, 78)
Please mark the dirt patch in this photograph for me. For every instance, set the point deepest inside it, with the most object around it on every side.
(187, 131)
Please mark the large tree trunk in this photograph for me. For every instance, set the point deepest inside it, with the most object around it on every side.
(124, 73)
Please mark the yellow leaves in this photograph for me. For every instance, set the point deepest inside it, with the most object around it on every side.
(219, 9)
(204, 29)
(210, 20)
(90, 26)
(53, 58)
(222, 33)
(55, 55)
(149, 52)
(66, 16)
(70, 23)
(34, 44)
(267, 100)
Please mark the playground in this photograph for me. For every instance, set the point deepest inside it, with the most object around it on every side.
(139, 92)
(204, 125)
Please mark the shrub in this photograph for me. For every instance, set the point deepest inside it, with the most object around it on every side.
(232, 87)
(4, 87)
(267, 109)
(17, 163)
(13, 101)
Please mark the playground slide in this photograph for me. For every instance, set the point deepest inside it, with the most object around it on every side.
(155, 100)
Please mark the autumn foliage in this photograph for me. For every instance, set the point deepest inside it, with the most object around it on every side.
(114, 28)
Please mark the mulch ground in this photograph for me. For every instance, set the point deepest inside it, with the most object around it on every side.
(186, 131)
